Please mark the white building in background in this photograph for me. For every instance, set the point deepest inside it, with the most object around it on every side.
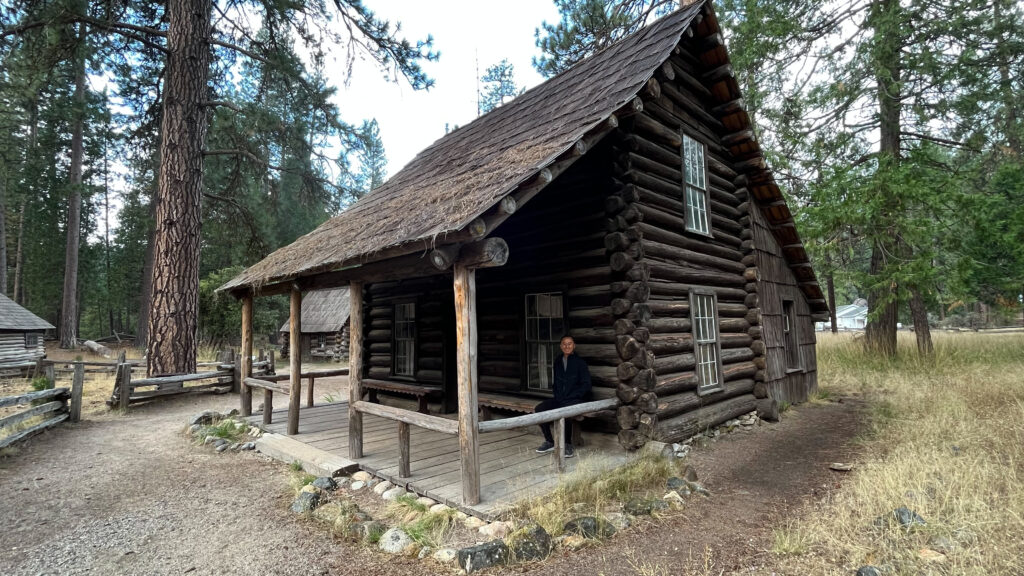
(848, 317)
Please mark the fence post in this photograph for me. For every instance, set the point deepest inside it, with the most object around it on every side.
(51, 379)
(124, 376)
(236, 374)
(77, 383)
(271, 367)
(404, 468)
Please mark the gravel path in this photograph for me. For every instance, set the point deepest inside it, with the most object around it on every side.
(131, 495)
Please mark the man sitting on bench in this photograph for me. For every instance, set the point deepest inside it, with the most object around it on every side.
(571, 386)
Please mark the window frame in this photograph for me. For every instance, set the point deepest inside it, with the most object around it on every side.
(790, 337)
(688, 223)
(561, 291)
(34, 340)
(704, 388)
(321, 341)
(395, 340)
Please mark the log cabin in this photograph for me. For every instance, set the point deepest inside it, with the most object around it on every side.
(324, 326)
(625, 202)
(21, 335)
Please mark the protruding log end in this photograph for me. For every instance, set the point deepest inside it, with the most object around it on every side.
(631, 439)
(768, 409)
(477, 228)
(507, 206)
(484, 253)
(444, 256)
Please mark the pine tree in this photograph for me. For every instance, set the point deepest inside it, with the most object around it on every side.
(499, 86)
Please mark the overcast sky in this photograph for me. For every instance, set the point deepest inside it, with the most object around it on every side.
(464, 32)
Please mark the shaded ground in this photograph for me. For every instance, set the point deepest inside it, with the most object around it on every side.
(130, 495)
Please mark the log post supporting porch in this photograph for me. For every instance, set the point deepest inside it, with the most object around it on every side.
(295, 361)
(355, 370)
(466, 362)
(244, 363)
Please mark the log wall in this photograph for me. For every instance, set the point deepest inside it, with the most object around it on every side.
(13, 350)
(776, 283)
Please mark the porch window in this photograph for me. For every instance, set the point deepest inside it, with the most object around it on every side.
(695, 193)
(405, 339)
(789, 339)
(31, 340)
(544, 329)
(704, 322)
(321, 341)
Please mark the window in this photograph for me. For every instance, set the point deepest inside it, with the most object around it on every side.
(695, 193)
(405, 339)
(321, 341)
(544, 330)
(789, 339)
(31, 340)
(704, 322)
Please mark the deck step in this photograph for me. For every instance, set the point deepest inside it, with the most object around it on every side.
(313, 460)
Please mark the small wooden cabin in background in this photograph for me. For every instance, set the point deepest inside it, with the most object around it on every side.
(324, 326)
(625, 202)
(21, 334)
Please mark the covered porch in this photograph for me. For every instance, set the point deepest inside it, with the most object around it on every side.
(509, 468)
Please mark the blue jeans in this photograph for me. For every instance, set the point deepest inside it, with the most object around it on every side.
(552, 404)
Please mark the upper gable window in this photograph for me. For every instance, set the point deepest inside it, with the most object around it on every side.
(695, 196)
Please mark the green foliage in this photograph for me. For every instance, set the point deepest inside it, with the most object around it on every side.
(296, 466)
(40, 383)
(499, 86)
(220, 315)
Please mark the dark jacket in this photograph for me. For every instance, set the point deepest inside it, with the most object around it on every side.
(572, 383)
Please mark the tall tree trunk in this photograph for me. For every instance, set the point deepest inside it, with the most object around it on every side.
(830, 283)
(106, 230)
(175, 299)
(69, 306)
(1004, 54)
(3, 231)
(880, 335)
(18, 291)
(922, 331)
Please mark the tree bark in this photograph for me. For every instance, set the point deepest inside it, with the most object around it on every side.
(922, 331)
(3, 232)
(173, 315)
(830, 283)
(880, 333)
(69, 304)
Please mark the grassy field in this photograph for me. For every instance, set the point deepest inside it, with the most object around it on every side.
(945, 438)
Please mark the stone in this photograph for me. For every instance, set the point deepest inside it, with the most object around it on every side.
(690, 474)
(473, 523)
(460, 515)
(445, 555)
(903, 516)
(427, 502)
(311, 489)
(675, 482)
(495, 530)
(206, 418)
(931, 556)
(698, 489)
(589, 527)
(383, 487)
(868, 571)
(439, 508)
(393, 493)
(357, 485)
(673, 497)
(424, 552)
(362, 476)
(234, 447)
(306, 502)
(210, 440)
(644, 506)
(360, 516)
(618, 519)
(473, 558)
(194, 428)
(840, 466)
(394, 541)
(368, 531)
(572, 541)
(222, 447)
(530, 543)
(325, 483)
(330, 512)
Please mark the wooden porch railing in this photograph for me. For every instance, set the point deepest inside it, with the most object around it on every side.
(271, 383)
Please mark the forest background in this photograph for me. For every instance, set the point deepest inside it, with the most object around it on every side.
(894, 127)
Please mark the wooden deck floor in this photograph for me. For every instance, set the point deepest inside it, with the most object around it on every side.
(510, 470)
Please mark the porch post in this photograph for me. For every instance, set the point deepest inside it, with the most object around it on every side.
(355, 369)
(295, 361)
(466, 362)
(244, 364)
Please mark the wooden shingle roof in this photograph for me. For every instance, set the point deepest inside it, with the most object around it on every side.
(323, 311)
(14, 317)
(518, 146)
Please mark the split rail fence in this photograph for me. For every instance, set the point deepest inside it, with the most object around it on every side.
(52, 406)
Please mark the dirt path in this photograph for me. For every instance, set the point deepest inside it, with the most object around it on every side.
(131, 495)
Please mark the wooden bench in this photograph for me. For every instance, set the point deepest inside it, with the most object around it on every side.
(422, 392)
(521, 404)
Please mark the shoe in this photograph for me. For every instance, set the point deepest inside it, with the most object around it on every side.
(569, 451)
(545, 448)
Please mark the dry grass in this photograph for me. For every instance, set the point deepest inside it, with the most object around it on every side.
(945, 439)
(594, 489)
